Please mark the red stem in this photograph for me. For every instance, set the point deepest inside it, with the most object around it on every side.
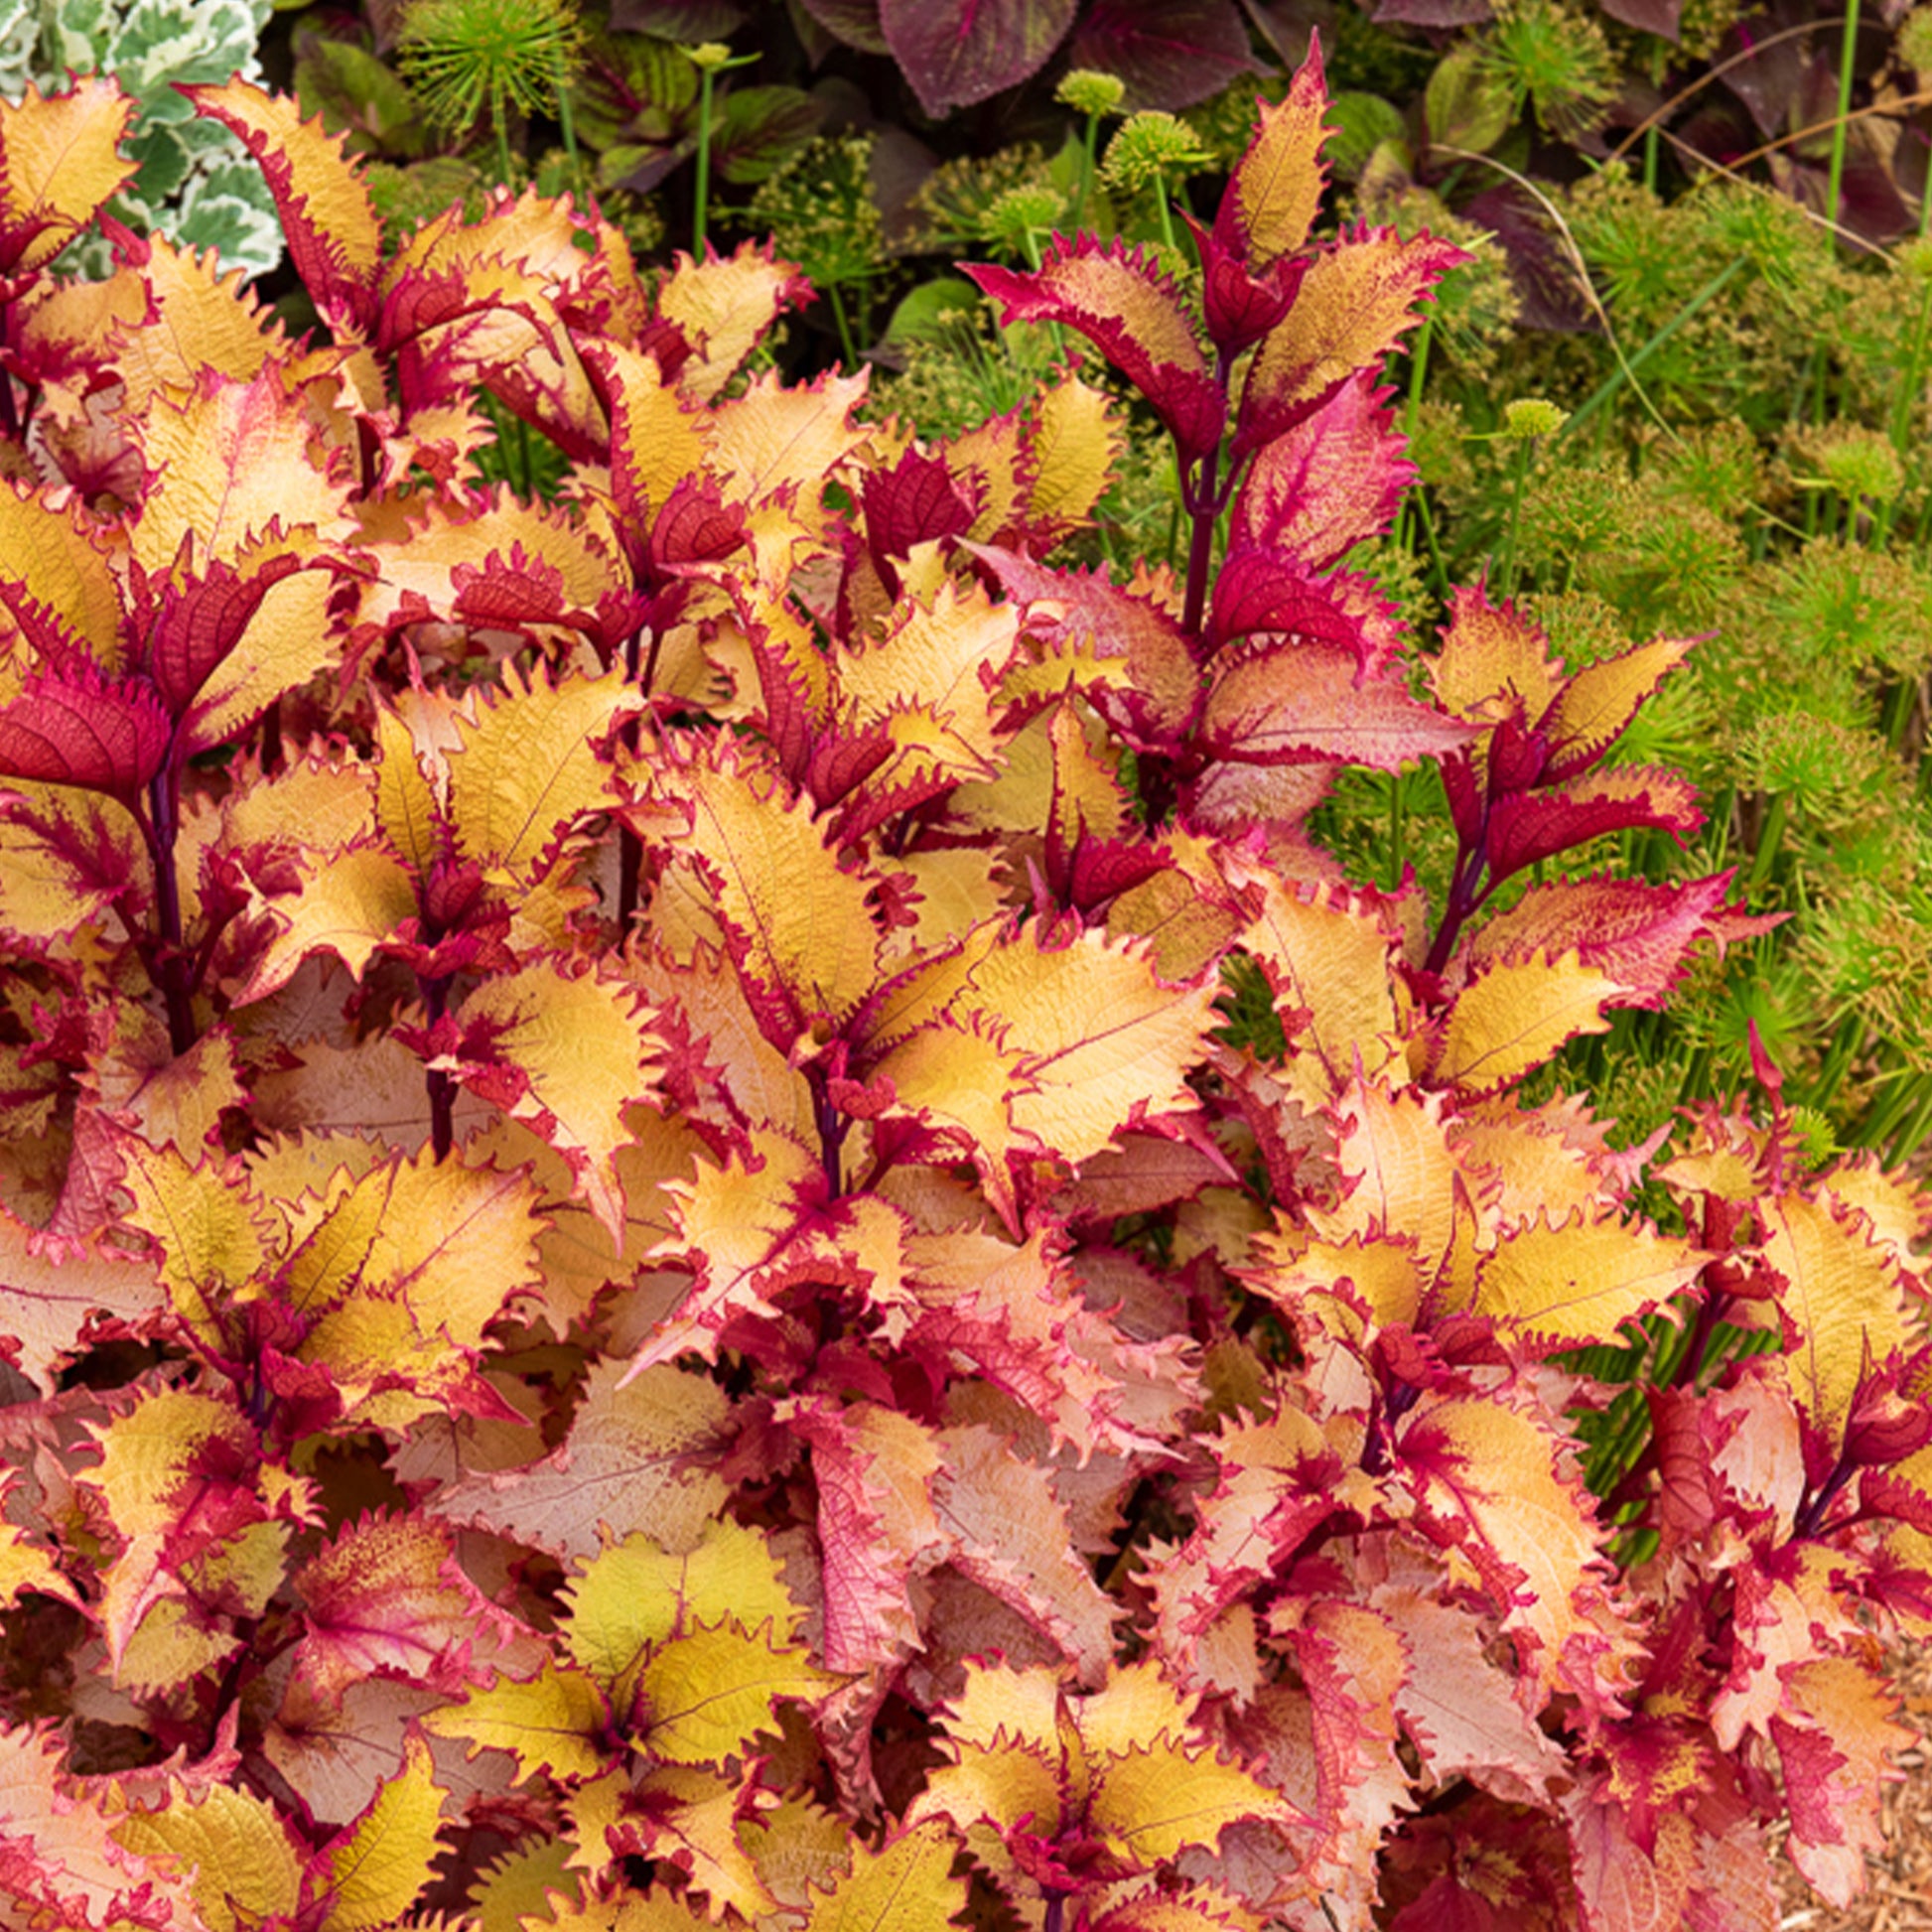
(442, 1087)
(164, 826)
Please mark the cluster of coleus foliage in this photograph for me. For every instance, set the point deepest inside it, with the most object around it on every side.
(643, 1283)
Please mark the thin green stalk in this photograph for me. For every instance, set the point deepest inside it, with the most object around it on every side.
(1847, 55)
(1088, 165)
(1439, 579)
(1908, 1097)
(1506, 563)
(1412, 411)
(503, 143)
(1846, 1042)
(1910, 395)
(701, 194)
(1166, 217)
(1768, 841)
(845, 326)
(1898, 711)
(1611, 383)
(1395, 829)
(524, 466)
(1908, 1143)
(1650, 160)
(567, 121)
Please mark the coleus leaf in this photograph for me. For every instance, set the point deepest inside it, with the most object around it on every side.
(1302, 703)
(552, 1723)
(1274, 1482)
(956, 59)
(1528, 826)
(528, 767)
(327, 217)
(230, 1850)
(910, 1872)
(713, 1690)
(227, 642)
(722, 307)
(55, 1290)
(230, 460)
(1491, 1479)
(1593, 708)
(399, 1280)
(56, 585)
(1563, 1282)
(637, 1595)
(1133, 314)
(1010, 1534)
(917, 500)
(1112, 1771)
(373, 1872)
(1126, 651)
(874, 1469)
(565, 1053)
(1275, 190)
(1493, 661)
(1355, 301)
(385, 1598)
(637, 1450)
(1517, 1008)
(1834, 1748)
(1844, 1294)
(659, 438)
(1638, 933)
(1072, 442)
(1331, 479)
(1167, 58)
(799, 925)
(79, 726)
(1087, 1036)
(487, 561)
(183, 1482)
(1264, 590)
(60, 1858)
(59, 162)
(1327, 954)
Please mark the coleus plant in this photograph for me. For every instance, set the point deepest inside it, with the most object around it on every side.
(710, 1213)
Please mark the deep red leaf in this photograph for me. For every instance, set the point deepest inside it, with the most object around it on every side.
(959, 54)
(1170, 54)
(78, 728)
(1263, 590)
(1525, 826)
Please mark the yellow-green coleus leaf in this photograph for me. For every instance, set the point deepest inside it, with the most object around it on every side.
(694, 1648)
(799, 925)
(907, 1881)
(528, 769)
(1126, 1766)
(555, 1722)
(567, 1054)
(637, 1595)
(707, 1694)
(376, 1868)
(59, 162)
(240, 1862)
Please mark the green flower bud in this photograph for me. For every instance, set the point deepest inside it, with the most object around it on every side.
(1530, 416)
(1148, 148)
(1089, 93)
